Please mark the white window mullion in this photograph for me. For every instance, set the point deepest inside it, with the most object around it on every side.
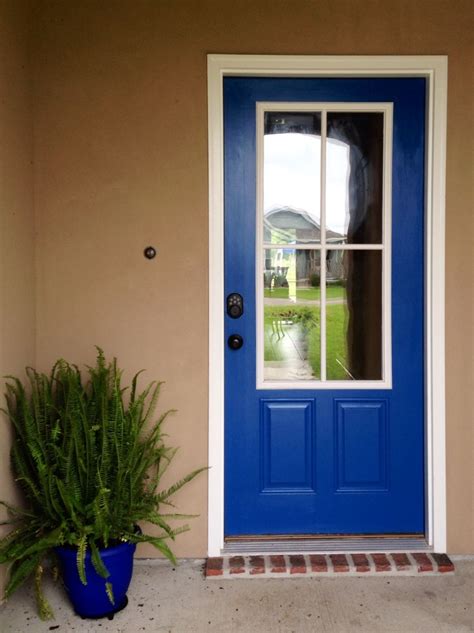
(297, 246)
(354, 247)
(322, 274)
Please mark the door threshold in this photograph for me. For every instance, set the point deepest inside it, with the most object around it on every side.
(278, 545)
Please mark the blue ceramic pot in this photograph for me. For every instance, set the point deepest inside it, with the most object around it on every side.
(91, 600)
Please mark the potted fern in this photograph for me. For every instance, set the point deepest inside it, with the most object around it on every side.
(89, 457)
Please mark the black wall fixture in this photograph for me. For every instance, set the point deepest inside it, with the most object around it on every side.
(150, 252)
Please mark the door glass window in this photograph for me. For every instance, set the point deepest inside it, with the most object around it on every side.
(292, 325)
(353, 315)
(292, 182)
(322, 261)
(354, 177)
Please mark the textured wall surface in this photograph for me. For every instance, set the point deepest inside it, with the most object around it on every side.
(17, 291)
(121, 162)
(120, 146)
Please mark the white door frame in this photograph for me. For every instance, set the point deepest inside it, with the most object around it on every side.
(434, 69)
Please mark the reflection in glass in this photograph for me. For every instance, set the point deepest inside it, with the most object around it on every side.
(292, 331)
(354, 177)
(291, 177)
(354, 315)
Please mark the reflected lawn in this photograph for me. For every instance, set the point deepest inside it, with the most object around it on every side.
(334, 291)
(302, 323)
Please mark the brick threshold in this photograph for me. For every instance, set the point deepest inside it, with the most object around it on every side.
(324, 565)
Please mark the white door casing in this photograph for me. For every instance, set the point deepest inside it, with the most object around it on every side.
(434, 70)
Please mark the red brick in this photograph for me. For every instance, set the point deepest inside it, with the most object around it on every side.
(381, 562)
(402, 561)
(257, 565)
(236, 565)
(423, 562)
(297, 564)
(444, 563)
(339, 562)
(318, 563)
(361, 562)
(278, 564)
(214, 566)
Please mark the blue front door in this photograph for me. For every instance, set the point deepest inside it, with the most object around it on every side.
(324, 361)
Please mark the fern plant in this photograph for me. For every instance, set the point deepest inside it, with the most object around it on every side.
(89, 456)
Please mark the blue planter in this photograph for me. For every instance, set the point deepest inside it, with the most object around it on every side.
(91, 600)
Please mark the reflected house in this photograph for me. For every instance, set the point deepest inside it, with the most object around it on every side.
(293, 227)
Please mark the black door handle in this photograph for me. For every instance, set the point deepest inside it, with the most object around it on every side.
(235, 341)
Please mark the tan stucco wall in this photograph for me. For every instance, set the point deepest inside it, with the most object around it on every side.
(120, 138)
(17, 292)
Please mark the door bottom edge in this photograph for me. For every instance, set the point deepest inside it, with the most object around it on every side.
(327, 545)
(240, 538)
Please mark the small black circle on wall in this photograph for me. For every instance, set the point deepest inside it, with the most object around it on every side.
(149, 252)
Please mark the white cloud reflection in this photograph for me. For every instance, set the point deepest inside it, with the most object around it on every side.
(292, 177)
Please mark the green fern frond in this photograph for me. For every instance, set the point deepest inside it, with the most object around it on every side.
(7, 543)
(40, 544)
(97, 561)
(166, 494)
(20, 571)
(81, 558)
(179, 517)
(163, 548)
(133, 390)
(16, 511)
(44, 608)
(109, 592)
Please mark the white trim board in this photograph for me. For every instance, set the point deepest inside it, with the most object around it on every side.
(434, 69)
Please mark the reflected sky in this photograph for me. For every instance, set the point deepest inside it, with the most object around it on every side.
(292, 177)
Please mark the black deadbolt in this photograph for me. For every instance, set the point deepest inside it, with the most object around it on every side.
(235, 305)
(235, 341)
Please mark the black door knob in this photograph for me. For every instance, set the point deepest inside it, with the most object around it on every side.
(235, 341)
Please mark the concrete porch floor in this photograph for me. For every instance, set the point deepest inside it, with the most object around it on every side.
(164, 599)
